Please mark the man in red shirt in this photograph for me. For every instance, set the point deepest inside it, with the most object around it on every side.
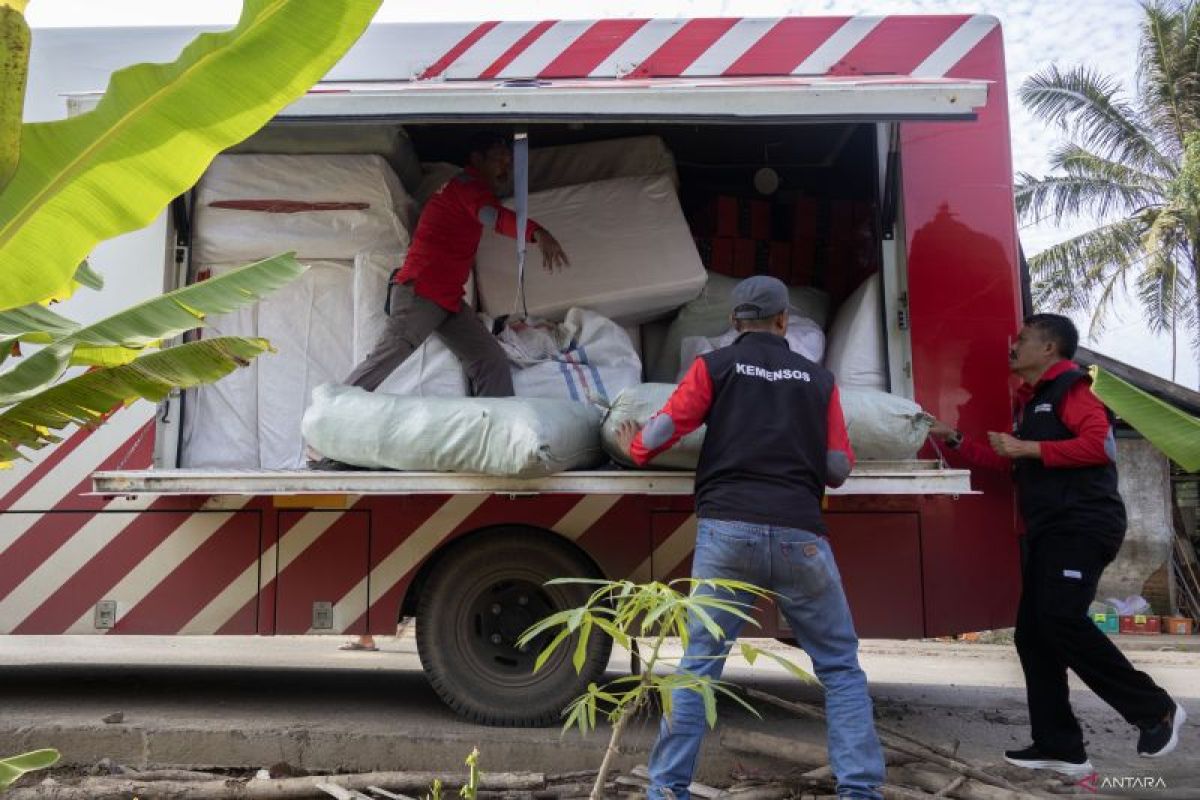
(426, 293)
(1062, 455)
(776, 437)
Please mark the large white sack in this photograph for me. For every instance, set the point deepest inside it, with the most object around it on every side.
(803, 336)
(220, 420)
(510, 436)
(432, 370)
(638, 404)
(708, 315)
(586, 358)
(588, 162)
(632, 254)
(224, 235)
(882, 426)
(310, 322)
(856, 353)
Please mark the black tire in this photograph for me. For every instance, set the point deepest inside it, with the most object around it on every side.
(478, 600)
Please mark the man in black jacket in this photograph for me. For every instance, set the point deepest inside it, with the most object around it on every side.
(1062, 455)
(775, 438)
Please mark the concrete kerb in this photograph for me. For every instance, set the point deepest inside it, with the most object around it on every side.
(158, 745)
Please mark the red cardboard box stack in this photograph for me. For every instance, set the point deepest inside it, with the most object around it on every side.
(738, 236)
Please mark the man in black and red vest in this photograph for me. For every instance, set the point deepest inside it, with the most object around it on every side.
(1062, 455)
(775, 439)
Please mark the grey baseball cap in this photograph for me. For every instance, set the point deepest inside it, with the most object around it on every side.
(759, 297)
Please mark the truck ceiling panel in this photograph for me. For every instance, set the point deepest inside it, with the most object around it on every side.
(878, 478)
(772, 99)
(717, 99)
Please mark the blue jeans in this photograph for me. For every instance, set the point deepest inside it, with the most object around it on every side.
(799, 566)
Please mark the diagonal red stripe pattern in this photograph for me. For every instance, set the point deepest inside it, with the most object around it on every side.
(518, 47)
(450, 56)
(785, 46)
(682, 49)
(897, 45)
(596, 44)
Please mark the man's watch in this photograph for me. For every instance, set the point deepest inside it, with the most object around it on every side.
(954, 439)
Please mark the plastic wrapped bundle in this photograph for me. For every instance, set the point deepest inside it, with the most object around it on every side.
(586, 358)
(324, 206)
(882, 426)
(638, 404)
(803, 336)
(708, 316)
(523, 437)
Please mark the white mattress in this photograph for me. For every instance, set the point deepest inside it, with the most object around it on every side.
(587, 162)
(220, 420)
(310, 322)
(632, 254)
(231, 235)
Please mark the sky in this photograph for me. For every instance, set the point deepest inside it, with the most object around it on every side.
(1099, 33)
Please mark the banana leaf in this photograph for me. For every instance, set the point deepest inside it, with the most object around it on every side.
(112, 170)
(86, 276)
(32, 323)
(15, 766)
(149, 322)
(1173, 432)
(88, 398)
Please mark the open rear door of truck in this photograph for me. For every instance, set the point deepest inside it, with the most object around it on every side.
(880, 99)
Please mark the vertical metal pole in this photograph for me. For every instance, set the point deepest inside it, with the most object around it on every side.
(521, 200)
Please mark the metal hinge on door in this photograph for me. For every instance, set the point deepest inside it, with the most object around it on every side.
(902, 311)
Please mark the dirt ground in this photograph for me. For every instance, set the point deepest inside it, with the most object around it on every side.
(246, 703)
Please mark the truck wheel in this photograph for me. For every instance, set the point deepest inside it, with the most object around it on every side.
(478, 600)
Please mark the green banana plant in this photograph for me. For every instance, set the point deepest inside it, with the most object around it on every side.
(154, 132)
(14, 71)
(139, 326)
(15, 766)
(1173, 432)
(90, 397)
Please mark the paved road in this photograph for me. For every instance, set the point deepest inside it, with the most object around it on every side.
(224, 701)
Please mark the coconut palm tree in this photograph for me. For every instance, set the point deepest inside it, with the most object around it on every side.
(1133, 165)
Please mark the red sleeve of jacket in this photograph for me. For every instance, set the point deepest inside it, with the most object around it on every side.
(1084, 414)
(482, 205)
(978, 455)
(839, 455)
(685, 411)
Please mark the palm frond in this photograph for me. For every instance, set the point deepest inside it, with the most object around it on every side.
(161, 317)
(88, 398)
(32, 323)
(1080, 162)
(1062, 197)
(1168, 74)
(1067, 275)
(1084, 103)
(1162, 286)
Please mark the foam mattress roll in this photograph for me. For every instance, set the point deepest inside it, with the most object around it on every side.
(523, 437)
(882, 426)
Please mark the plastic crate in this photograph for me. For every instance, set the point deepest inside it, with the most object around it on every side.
(1177, 626)
(1141, 624)
(1107, 622)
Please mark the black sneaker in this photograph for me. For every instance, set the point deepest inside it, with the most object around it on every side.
(330, 465)
(1159, 738)
(1031, 757)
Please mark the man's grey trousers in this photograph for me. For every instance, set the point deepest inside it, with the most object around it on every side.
(411, 320)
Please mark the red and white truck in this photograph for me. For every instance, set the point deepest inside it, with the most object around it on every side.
(900, 122)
